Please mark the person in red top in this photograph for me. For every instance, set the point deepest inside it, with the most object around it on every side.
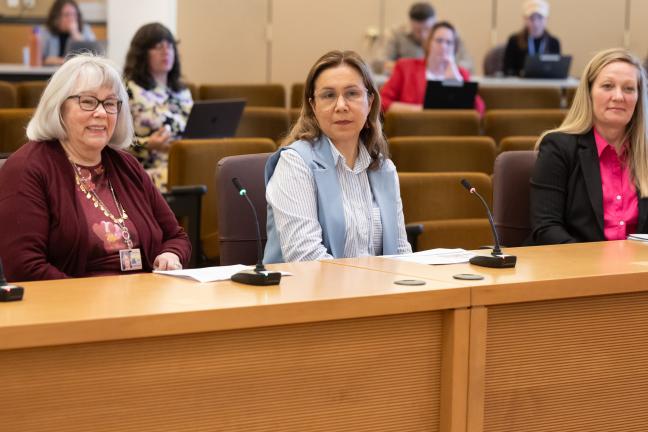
(405, 88)
(72, 203)
(590, 181)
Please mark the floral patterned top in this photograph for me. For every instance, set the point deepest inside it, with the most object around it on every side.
(152, 110)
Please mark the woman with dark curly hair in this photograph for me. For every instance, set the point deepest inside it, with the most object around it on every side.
(159, 102)
(64, 24)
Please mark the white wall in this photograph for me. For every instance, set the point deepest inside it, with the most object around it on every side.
(126, 16)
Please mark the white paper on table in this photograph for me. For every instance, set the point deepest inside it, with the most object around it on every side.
(638, 237)
(436, 256)
(209, 274)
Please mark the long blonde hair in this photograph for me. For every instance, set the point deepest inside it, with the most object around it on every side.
(580, 117)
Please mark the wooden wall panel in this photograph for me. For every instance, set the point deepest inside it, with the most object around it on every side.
(370, 374)
(570, 365)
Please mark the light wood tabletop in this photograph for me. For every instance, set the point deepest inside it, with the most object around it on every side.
(141, 305)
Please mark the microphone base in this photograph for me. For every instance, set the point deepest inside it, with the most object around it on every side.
(11, 293)
(252, 277)
(494, 261)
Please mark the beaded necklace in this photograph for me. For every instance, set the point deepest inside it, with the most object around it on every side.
(99, 204)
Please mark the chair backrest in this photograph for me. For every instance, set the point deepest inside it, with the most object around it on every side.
(514, 143)
(432, 123)
(521, 97)
(29, 93)
(236, 225)
(264, 122)
(193, 162)
(296, 95)
(193, 88)
(511, 196)
(8, 95)
(499, 124)
(256, 95)
(13, 124)
(494, 61)
(443, 154)
(570, 93)
(451, 217)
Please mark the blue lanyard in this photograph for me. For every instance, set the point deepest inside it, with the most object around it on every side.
(531, 46)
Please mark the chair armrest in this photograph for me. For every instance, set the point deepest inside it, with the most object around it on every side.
(413, 232)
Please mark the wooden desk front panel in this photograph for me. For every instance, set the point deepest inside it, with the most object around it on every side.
(566, 365)
(367, 374)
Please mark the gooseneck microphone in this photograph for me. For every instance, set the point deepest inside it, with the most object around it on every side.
(9, 292)
(260, 275)
(497, 259)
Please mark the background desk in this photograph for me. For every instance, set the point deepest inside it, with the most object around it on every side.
(19, 72)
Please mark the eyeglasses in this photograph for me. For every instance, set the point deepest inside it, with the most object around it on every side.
(328, 98)
(90, 103)
(162, 46)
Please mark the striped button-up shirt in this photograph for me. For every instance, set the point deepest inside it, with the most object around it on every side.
(292, 194)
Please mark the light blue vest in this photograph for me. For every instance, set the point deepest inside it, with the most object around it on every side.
(319, 159)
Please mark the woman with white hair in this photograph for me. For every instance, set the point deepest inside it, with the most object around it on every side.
(590, 181)
(533, 39)
(72, 202)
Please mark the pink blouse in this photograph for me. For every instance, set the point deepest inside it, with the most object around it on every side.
(620, 202)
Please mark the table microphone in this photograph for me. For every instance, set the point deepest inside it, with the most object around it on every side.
(497, 259)
(9, 292)
(260, 275)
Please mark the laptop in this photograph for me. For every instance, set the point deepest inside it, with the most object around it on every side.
(450, 95)
(78, 47)
(554, 66)
(214, 118)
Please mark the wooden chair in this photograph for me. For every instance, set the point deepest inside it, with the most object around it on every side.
(499, 124)
(432, 123)
(443, 154)
(193, 88)
(194, 162)
(296, 95)
(13, 123)
(8, 95)
(521, 97)
(256, 95)
(264, 122)
(29, 93)
(451, 217)
(517, 143)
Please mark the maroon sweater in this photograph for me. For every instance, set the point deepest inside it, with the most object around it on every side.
(43, 229)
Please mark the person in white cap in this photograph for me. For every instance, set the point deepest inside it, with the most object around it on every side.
(533, 39)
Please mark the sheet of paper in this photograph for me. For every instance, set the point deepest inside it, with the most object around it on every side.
(639, 237)
(436, 256)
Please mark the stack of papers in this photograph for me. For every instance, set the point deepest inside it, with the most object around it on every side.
(436, 256)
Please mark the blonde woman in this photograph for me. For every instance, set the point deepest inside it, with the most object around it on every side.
(590, 182)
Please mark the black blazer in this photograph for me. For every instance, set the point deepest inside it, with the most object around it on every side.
(566, 192)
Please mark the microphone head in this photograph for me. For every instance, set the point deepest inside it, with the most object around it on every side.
(239, 187)
(466, 184)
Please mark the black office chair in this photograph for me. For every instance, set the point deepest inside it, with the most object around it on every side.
(186, 203)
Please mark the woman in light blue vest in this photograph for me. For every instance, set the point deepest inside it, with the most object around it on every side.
(64, 25)
(332, 192)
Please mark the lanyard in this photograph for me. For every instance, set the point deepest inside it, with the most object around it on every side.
(531, 46)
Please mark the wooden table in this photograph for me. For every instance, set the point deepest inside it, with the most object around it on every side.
(332, 348)
(558, 343)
